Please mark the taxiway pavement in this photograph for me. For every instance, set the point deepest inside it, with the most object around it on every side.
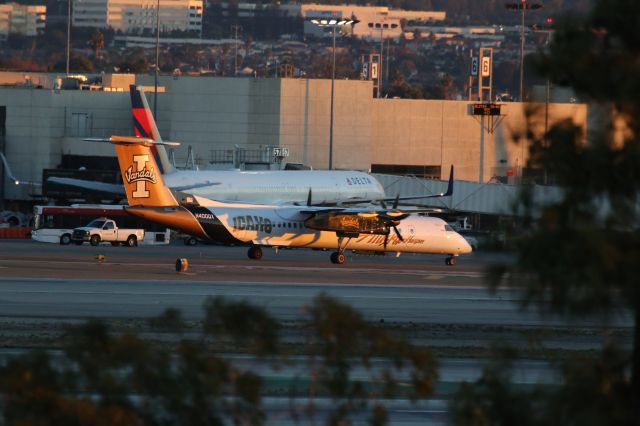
(49, 280)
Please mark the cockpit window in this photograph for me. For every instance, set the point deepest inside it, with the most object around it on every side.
(448, 228)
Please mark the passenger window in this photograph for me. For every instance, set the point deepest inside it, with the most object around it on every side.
(289, 224)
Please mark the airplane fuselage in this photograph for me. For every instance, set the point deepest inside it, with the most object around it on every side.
(286, 226)
(279, 187)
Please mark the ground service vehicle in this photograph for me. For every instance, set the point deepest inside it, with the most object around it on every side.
(54, 224)
(106, 230)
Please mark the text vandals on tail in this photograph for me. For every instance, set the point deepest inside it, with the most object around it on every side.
(147, 194)
(145, 127)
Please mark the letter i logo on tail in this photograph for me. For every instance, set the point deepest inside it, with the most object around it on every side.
(140, 175)
(143, 182)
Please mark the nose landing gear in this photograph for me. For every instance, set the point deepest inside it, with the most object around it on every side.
(450, 261)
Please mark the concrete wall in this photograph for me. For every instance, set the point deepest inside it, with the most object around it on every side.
(305, 122)
(435, 132)
(217, 113)
(40, 128)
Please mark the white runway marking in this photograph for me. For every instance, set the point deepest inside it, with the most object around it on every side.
(307, 269)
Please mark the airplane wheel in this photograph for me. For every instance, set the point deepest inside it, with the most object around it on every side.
(450, 261)
(337, 258)
(255, 253)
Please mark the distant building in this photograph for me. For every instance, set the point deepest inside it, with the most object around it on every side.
(375, 21)
(138, 16)
(21, 19)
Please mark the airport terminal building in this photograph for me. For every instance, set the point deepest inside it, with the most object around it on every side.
(42, 127)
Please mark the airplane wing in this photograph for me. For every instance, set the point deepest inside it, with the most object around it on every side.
(396, 199)
(10, 175)
(383, 213)
(111, 188)
(350, 222)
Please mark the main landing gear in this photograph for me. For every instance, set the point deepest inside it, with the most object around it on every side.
(337, 257)
(255, 252)
(450, 261)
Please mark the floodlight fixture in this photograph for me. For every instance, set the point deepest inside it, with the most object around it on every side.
(332, 23)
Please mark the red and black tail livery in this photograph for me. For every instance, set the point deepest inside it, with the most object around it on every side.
(145, 127)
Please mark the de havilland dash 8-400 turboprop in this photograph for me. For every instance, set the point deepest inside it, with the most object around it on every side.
(270, 186)
(371, 228)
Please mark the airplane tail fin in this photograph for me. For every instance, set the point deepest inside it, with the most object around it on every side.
(145, 127)
(142, 180)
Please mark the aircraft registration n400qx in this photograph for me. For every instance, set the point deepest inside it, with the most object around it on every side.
(379, 229)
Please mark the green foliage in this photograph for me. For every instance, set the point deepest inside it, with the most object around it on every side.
(102, 378)
(241, 322)
(96, 42)
(580, 252)
(492, 400)
(593, 393)
(342, 339)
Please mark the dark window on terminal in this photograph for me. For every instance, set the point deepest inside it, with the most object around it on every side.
(429, 172)
(3, 120)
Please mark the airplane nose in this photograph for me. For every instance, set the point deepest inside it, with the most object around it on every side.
(465, 247)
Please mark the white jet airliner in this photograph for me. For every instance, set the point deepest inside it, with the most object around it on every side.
(376, 229)
(277, 187)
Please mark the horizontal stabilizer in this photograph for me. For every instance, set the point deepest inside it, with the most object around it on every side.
(131, 140)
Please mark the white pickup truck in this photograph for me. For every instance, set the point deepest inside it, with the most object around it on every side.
(106, 230)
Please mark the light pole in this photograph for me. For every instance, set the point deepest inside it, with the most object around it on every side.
(235, 60)
(333, 23)
(522, 6)
(155, 93)
(68, 34)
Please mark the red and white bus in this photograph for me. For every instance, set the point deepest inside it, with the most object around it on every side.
(54, 224)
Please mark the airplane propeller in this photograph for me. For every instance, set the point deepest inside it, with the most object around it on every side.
(395, 229)
(392, 214)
